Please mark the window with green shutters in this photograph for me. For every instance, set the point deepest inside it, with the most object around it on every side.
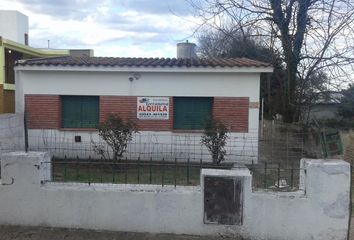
(80, 111)
(191, 112)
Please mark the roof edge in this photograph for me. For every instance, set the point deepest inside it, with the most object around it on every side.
(32, 51)
(176, 69)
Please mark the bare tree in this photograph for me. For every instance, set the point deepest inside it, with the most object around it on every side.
(214, 43)
(312, 36)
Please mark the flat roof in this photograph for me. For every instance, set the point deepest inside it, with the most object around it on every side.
(36, 52)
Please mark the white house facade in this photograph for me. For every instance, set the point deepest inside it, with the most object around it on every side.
(168, 99)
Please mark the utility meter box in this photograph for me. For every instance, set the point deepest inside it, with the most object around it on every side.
(223, 197)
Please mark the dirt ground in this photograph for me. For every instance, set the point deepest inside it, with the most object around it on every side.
(43, 233)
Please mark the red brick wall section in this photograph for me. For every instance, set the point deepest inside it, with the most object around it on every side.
(233, 112)
(125, 107)
(43, 111)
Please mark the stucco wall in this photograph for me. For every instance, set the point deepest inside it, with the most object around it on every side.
(149, 84)
(12, 134)
(322, 213)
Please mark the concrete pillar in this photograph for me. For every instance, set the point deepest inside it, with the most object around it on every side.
(327, 186)
(328, 183)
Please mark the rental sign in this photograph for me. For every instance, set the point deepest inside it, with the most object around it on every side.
(153, 108)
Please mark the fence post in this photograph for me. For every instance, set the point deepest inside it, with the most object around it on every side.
(163, 173)
(77, 168)
(65, 173)
(292, 175)
(188, 164)
(126, 171)
(138, 170)
(278, 175)
(287, 148)
(113, 173)
(351, 198)
(150, 171)
(265, 175)
(26, 130)
(175, 173)
(89, 172)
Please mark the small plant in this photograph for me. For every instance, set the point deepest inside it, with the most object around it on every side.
(215, 137)
(116, 133)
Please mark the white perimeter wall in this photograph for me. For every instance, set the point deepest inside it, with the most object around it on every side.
(320, 214)
(112, 83)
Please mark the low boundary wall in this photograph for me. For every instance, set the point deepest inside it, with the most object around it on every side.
(320, 212)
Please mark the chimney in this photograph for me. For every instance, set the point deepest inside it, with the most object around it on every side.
(186, 50)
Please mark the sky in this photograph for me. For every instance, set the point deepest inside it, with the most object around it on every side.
(117, 28)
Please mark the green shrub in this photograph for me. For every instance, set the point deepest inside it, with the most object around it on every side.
(215, 137)
(116, 133)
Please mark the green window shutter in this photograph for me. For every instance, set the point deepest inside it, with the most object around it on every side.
(89, 112)
(191, 112)
(80, 111)
(71, 112)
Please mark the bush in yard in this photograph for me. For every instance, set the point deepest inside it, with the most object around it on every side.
(116, 133)
(215, 137)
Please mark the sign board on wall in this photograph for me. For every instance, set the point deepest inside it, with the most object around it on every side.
(153, 108)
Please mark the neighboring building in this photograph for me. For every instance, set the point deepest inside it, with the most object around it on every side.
(13, 46)
(10, 52)
(14, 40)
(326, 106)
(169, 99)
(14, 26)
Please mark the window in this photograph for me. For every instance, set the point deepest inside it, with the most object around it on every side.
(26, 39)
(191, 112)
(10, 57)
(80, 111)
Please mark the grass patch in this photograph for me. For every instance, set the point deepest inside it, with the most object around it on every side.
(160, 173)
(131, 173)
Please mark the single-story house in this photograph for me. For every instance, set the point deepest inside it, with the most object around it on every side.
(65, 98)
(325, 107)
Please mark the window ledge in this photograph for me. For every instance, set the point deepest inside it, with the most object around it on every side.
(187, 131)
(79, 129)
